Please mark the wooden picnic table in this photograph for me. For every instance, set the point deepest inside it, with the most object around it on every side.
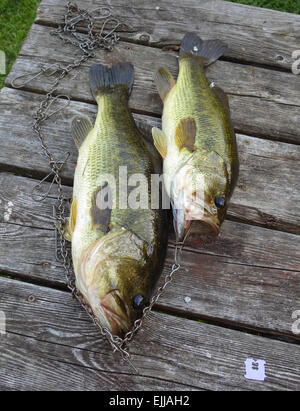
(243, 289)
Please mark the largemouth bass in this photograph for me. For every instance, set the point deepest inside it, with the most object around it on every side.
(197, 140)
(117, 251)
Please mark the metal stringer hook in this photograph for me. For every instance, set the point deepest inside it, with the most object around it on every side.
(66, 104)
(59, 164)
(46, 70)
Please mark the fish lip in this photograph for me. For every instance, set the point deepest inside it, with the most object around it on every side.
(212, 221)
(118, 321)
(183, 222)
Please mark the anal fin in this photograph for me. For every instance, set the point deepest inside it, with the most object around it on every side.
(68, 226)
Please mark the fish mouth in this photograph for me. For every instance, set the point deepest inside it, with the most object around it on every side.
(116, 313)
(184, 220)
(212, 222)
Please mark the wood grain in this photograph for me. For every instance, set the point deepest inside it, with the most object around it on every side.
(249, 276)
(269, 184)
(263, 102)
(51, 338)
(254, 35)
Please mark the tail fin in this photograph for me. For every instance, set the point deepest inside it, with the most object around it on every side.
(104, 79)
(209, 50)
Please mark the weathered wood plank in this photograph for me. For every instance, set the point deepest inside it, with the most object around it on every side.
(52, 337)
(269, 184)
(253, 34)
(218, 277)
(263, 102)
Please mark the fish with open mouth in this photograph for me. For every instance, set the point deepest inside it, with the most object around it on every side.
(197, 141)
(117, 251)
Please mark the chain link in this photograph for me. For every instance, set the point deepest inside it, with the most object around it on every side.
(104, 37)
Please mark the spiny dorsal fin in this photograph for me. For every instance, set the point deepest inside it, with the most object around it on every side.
(185, 134)
(164, 82)
(80, 128)
(160, 141)
(145, 130)
(101, 208)
(222, 96)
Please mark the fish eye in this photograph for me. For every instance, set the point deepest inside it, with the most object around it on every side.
(137, 301)
(219, 201)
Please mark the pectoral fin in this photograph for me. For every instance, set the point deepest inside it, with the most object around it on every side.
(66, 230)
(80, 128)
(101, 208)
(185, 134)
(69, 225)
(160, 141)
(164, 82)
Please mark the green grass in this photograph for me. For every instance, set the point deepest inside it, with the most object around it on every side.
(16, 17)
(290, 6)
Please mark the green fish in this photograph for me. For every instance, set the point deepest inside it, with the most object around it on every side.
(118, 251)
(197, 141)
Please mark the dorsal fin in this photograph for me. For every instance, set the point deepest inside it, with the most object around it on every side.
(101, 208)
(80, 128)
(160, 141)
(146, 131)
(185, 134)
(164, 82)
(222, 96)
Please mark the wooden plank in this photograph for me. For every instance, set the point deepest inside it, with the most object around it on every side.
(252, 91)
(254, 35)
(249, 276)
(57, 339)
(269, 183)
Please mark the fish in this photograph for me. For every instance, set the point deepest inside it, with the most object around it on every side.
(118, 251)
(197, 141)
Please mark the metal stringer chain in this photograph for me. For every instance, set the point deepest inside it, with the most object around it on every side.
(104, 37)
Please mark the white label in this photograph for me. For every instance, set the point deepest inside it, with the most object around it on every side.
(255, 369)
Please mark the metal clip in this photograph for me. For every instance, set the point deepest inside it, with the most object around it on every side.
(59, 165)
(47, 71)
(59, 109)
(130, 363)
(112, 30)
(100, 11)
(75, 20)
